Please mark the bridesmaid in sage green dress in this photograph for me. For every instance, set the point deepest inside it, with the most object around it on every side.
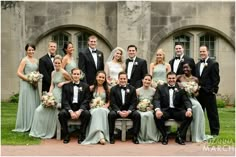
(29, 94)
(68, 62)
(98, 129)
(148, 132)
(198, 122)
(45, 119)
(159, 68)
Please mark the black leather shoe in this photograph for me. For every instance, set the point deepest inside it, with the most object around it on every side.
(81, 139)
(135, 140)
(179, 140)
(112, 140)
(66, 139)
(165, 140)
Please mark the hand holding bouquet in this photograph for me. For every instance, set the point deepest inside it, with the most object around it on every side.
(156, 83)
(97, 102)
(190, 87)
(34, 77)
(144, 105)
(48, 100)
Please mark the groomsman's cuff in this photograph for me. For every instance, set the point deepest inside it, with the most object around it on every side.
(118, 112)
(70, 111)
(129, 111)
(157, 109)
(189, 109)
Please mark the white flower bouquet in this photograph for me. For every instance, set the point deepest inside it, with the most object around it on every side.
(34, 77)
(144, 104)
(48, 100)
(156, 83)
(97, 102)
(113, 82)
(190, 87)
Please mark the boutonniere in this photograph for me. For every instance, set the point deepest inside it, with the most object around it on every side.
(206, 64)
(182, 60)
(176, 90)
(135, 63)
(99, 55)
(127, 90)
(80, 89)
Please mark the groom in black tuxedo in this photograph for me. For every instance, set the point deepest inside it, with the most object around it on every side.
(177, 62)
(46, 65)
(207, 72)
(75, 104)
(91, 60)
(123, 102)
(136, 68)
(171, 102)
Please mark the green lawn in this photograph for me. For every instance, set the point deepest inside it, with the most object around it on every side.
(8, 117)
(8, 120)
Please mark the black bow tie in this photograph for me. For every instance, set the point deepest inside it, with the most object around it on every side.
(52, 56)
(202, 60)
(94, 51)
(75, 84)
(130, 60)
(171, 87)
(177, 57)
(122, 87)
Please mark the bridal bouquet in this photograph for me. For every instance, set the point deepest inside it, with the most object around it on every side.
(48, 100)
(97, 102)
(113, 82)
(143, 104)
(34, 77)
(190, 87)
(156, 83)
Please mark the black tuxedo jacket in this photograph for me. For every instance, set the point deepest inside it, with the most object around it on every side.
(180, 99)
(116, 98)
(46, 67)
(210, 78)
(138, 71)
(180, 67)
(87, 65)
(83, 97)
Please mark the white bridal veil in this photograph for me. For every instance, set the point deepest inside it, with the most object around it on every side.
(124, 54)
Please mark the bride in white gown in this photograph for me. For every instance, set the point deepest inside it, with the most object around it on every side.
(114, 65)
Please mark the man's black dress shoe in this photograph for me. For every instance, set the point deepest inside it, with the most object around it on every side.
(81, 139)
(135, 140)
(112, 140)
(165, 140)
(179, 140)
(66, 139)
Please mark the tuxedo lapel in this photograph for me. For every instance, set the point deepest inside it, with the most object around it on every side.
(166, 89)
(134, 66)
(118, 90)
(49, 61)
(90, 57)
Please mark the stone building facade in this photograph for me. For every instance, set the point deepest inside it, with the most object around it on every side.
(147, 24)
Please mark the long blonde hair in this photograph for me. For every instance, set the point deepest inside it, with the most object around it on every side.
(163, 54)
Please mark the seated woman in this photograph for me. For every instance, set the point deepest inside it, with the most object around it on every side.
(148, 132)
(45, 117)
(98, 129)
(198, 122)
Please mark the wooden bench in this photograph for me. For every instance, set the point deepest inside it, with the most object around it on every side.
(123, 124)
(70, 122)
(172, 122)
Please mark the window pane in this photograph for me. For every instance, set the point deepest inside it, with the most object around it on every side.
(208, 40)
(82, 41)
(60, 38)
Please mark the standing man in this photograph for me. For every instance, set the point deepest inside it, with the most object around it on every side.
(177, 62)
(136, 68)
(75, 104)
(46, 65)
(207, 72)
(171, 102)
(91, 60)
(123, 102)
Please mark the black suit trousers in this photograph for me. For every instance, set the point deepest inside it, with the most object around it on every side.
(176, 114)
(135, 116)
(208, 102)
(64, 116)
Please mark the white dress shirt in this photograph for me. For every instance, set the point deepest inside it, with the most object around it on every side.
(171, 94)
(75, 96)
(202, 65)
(95, 57)
(123, 96)
(176, 63)
(130, 67)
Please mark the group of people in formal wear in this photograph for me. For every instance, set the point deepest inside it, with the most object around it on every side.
(98, 93)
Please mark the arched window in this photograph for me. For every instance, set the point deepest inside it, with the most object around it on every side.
(208, 40)
(186, 41)
(82, 41)
(60, 38)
